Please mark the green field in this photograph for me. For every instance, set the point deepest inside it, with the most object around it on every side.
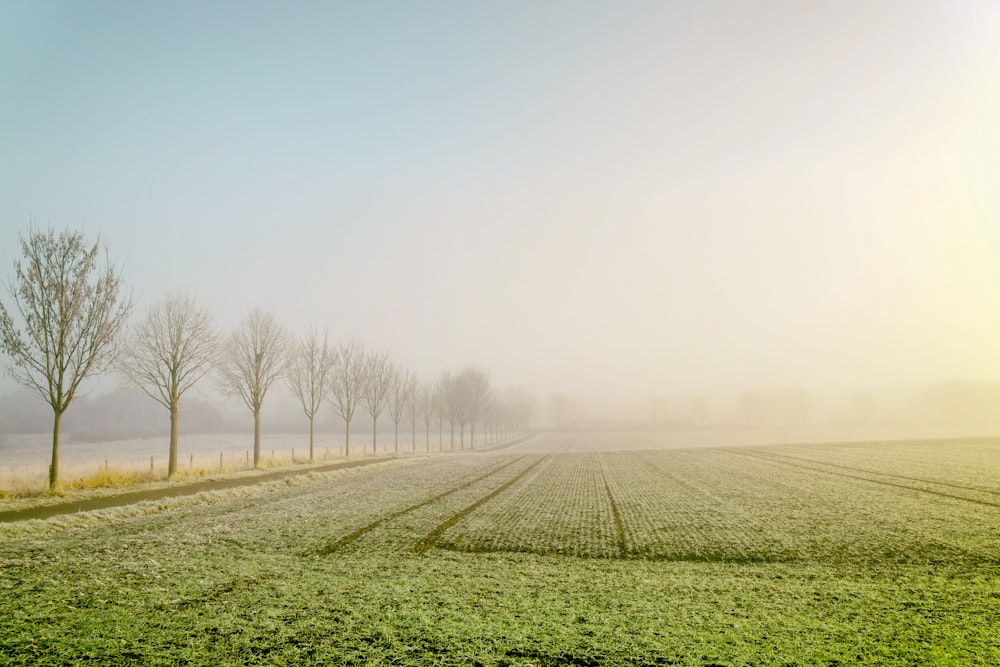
(568, 549)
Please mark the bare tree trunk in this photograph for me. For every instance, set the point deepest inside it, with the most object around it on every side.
(312, 432)
(461, 435)
(256, 438)
(54, 465)
(374, 434)
(347, 438)
(472, 435)
(452, 444)
(172, 457)
(395, 443)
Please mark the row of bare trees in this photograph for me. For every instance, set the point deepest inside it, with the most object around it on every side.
(68, 321)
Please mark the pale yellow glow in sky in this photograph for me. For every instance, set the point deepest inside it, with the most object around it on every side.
(580, 197)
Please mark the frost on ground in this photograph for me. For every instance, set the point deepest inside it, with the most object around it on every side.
(561, 553)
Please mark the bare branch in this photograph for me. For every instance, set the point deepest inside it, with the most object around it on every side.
(168, 352)
(253, 359)
(65, 318)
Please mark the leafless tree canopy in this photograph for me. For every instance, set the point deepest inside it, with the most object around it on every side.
(254, 357)
(310, 372)
(171, 349)
(400, 386)
(378, 379)
(347, 384)
(413, 408)
(475, 397)
(426, 399)
(449, 402)
(65, 315)
(168, 352)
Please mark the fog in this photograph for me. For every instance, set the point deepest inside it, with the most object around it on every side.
(657, 215)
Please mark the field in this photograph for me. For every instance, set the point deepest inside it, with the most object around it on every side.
(586, 549)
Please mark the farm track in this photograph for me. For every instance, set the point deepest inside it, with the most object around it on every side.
(961, 487)
(823, 468)
(428, 541)
(132, 497)
(351, 537)
(616, 513)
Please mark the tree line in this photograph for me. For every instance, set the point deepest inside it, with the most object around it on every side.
(68, 318)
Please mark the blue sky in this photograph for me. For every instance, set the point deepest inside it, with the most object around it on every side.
(578, 196)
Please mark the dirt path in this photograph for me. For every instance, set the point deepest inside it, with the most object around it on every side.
(121, 499)
(128, 498)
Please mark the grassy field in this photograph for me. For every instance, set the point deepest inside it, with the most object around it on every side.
(569, 549)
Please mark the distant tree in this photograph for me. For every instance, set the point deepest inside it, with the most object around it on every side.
(347, 386)
(72, 309)
(477, 395)
(310, 373)
(521, 409)
(378, 378)
(567, 412)
(459, 397)
(168, 352)
(450, 396)
(253, 359)
(399, 395)
(413, 409)
(424, 401)
(439, 409)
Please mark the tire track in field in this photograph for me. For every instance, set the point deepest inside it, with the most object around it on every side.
(765, 457)
(615, 513)
(428, 541)
(961, 487)
(351, 537)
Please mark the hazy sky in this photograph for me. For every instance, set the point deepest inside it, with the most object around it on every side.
(634, 196)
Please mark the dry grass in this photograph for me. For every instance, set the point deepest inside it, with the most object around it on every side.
(31, 481)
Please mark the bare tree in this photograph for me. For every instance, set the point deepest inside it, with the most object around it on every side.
(520, 409)
(440, 413)
(73, 311)
(398, 395)
(476, 396)
(426, 402)
(310, 371)
(448, 393)
(347, 384)
(457, 397)
(167, 353)
(378, 379)
(413, 409)
(253, 359)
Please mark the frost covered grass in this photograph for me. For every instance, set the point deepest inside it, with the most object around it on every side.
(759, 556)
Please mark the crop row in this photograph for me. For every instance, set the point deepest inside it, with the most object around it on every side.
(561, 507)
(820, 515)
(729, 505)
(971, 466)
